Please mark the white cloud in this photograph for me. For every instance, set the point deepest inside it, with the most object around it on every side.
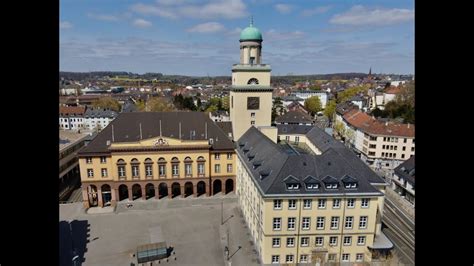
(362, 16)
(65, 25)
(103, 17)
(283, 8)
(227, 9)
(141, 23)
(209, 27)
(314, 11)
(273, 35)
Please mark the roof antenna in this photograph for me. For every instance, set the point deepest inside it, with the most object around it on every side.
(251, 20)
(140, 130)
(179, 130)
(206, 130)
(160, 127)
(113, 133)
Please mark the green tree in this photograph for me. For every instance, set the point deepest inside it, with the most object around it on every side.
(348, 93)
(330, 109)
(158, 104)
(211, 108)
(140, 105)
(340, 129)
(107, 102)
(313, 104)
(199, 104)
(225, 103)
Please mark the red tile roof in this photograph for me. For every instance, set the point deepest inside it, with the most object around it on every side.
(71, 110)
(393, 90)
(370, 125)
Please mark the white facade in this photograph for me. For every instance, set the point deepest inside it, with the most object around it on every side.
(97, 122)
(71, 123)
(323, 96)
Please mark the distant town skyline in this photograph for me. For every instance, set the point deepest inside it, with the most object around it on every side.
(201, 37)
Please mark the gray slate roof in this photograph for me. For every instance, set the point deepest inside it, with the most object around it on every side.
(293, 129)
(99, 112)
(336, 161)
(127, 129)
(294, 117)
(406, 170)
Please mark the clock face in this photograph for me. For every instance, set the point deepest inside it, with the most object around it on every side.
(253, 81)
(253, 103)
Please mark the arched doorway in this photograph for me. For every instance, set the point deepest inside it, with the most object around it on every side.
(188, 189)
(123, 192)
(106, 194)
(175, 189)
(217, 187)
(149, 190)
(163, 190)
(136, 191)
(229, 186)
(92, 192)
(201, 188)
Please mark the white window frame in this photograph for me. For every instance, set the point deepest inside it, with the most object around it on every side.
(229, 168)
(135, 171)
(333, 243)
(290, 239)
(229, 156)
(175, 169)
(305, 223)
(338, 201)
(90, 172)
(276, 221)
(306, 238)
(349, 219)
(275, 259)
(307, 203)
(359, 257)
(319, 241)
(103, 172)
(188, 166)
(148, 170)
(303, 258)
(290, 258)
(217, 156)
(88, 160)
(103, 159)
(335, 221)
(322, 204)
(121, 171)
(352, 201)
(293, 223)
(363, 221)
(364, 203)
(320, 220)
(217, 168)
(277, 204)
(349, 242)
(359, 242)
(291, 206)
(278, 240)
(162, 167)
(347, 255)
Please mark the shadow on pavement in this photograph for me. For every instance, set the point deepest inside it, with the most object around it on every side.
(73, 239)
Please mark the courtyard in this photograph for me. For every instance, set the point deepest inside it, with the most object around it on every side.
(191, 226)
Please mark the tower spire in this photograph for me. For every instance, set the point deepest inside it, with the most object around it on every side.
(251, 20)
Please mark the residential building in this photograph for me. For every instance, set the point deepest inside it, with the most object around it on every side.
(219, 116)
(316, 203)
(294, 118)
(403, 180)
(305, 94)
(143, 155)
(98, 118)
(71, 117)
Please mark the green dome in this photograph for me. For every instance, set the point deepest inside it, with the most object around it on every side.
(251, 34)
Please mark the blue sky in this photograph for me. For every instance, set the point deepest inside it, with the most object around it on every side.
(200, 37)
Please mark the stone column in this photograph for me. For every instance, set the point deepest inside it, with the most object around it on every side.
(208, 189)
(100, 198)
(195, 191)
(170, 195)
(85, 198)
(144, 193)
(182, 191)
(130, 195)
(113, 201)
(157, 192)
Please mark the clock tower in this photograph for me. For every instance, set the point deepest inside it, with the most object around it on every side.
(251, 93)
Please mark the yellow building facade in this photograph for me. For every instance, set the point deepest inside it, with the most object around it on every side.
(158, 166)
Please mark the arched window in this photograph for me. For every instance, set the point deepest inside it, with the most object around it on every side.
(188, 169)
(175, 166)
(253, 81)
(148, 168)
(162, 167)
(201, 161)
(135, 170)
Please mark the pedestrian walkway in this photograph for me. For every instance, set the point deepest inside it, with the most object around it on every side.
(99, 210)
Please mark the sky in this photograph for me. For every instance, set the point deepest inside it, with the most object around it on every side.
(201, 37)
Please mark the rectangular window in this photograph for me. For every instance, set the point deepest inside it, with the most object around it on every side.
(320, 223)
(361, 240)
(412, 148)
(319, 241)
(291, 223)
(360, 257)
(103, 159)
(303, 258)
(347, 240)
(404, 140)
(188, 170)
(88, 159)
(287, 138)
(277, 204)
(175, 169)
(321, 203)
(305, 223)
(333, 240)
(252, 115)
(217, 168)
(363, 222)
(304, 241)
(217, 156)
(229, 155)
(90, 172)
(292, 204)
(403, 156)
(331, 257)
(104, 172)
(372, 146)
(290, 242)
(276, 242)
(336, 203)
(371, 153)
(275, 259)
(345, 257)
(350, 203)
(334, 222)
(135, 172)
(121, 171)
(307, 204)
(297, 139)
(365, 203)
(201, 168)
(289, 258)
(229, 168)
(148, 170)
(349, 221)
(252, 123)
(276, 223)
(162, 169)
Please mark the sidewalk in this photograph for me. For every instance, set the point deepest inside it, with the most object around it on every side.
(99, 210)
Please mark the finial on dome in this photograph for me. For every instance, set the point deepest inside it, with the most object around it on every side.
(251, 21)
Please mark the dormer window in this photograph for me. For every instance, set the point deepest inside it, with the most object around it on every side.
(312, 186)
(331, 186)
(349, 182)
(293, 186)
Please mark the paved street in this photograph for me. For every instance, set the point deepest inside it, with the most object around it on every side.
(192, 226)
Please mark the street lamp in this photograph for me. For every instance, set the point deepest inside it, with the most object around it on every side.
(227, 252)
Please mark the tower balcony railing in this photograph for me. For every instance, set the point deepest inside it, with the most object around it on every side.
(250, 65)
